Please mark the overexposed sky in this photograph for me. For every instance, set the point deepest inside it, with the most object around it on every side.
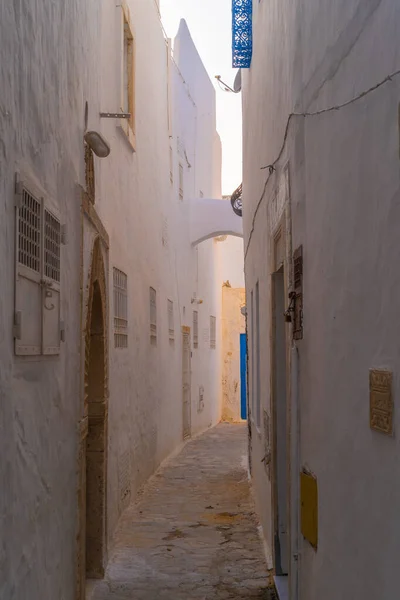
(209, 22)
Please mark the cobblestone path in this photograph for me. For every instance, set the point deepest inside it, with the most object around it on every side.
(192, 532)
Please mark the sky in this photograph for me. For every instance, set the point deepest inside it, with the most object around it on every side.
(209, 22)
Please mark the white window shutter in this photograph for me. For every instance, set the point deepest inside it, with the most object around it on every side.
(28, 291)
(51, 285)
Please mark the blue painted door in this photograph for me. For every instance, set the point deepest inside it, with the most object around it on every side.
(243, 365)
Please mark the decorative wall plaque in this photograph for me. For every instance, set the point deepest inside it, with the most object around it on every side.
(381, 401)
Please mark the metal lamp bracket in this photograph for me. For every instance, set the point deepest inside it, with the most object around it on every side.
(107, 115)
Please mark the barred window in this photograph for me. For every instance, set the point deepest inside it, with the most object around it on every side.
(38, 329)
(52, 246)
(213, 332)
(195, 329)
(120, 281)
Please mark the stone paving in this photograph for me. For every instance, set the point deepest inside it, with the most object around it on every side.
(192, 533)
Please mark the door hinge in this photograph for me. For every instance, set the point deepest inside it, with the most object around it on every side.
(17, 327)
(62, 331)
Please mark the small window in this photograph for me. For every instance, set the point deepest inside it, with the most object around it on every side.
(120, 309)
(171, 329)
(195, 329)
(213, 332)
(128, 79)
(153, 315)
(37, 324)
(180, 182)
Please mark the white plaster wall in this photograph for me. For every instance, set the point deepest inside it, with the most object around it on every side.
(344, 188)
(233, 324)
(47, 71)
(150, 241)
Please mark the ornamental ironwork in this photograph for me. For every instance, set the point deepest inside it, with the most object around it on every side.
(236, 201)
(242, 37)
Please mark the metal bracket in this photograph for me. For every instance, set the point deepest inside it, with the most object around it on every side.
(17, 328)
(107, 115)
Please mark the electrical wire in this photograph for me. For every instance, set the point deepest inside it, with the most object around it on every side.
(272, 168)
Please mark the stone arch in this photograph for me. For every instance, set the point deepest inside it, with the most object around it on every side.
(96, 408)
(92, 550)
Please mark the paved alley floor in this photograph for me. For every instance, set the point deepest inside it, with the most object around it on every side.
(192, 532)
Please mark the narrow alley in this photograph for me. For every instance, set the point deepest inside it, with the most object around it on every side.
(193, 532)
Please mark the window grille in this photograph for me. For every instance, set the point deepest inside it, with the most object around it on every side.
(120, 309)
(153, 314)
(180, 182)
(213, 332)
(195, 329)
(171, 329)
(52, 246)
(29, 232)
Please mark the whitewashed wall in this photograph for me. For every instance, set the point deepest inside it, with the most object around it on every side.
(344, 190)
(47, 72)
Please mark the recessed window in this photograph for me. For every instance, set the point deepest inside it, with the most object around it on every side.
(180, 182)
(195, 329)
(153, 316)
(128, 79)
(213, 332)
(120, 309)
(171, 328)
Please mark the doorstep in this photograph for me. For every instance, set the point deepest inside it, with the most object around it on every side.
(282, 586)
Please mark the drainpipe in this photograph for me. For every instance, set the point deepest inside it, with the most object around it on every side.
(295, 471)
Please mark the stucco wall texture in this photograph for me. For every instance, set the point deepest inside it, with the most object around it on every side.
(47, 71)
(53, 58)
(344, 205)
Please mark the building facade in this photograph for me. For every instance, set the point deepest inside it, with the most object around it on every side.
(321, 190)
(110, 323)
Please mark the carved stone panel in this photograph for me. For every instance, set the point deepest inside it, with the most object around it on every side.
(381, 401)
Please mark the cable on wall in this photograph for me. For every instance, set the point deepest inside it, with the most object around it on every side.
(272, 166)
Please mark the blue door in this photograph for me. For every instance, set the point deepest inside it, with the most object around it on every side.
(243, 366)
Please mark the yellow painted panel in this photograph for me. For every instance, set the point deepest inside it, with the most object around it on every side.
(309, 508)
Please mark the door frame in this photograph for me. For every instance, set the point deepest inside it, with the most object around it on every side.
(186, 335)
(279, 263)
(94, 417)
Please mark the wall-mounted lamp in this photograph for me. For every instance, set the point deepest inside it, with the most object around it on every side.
(97, 143)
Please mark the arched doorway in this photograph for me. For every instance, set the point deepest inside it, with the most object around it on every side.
(95, 442)
(92, 548)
